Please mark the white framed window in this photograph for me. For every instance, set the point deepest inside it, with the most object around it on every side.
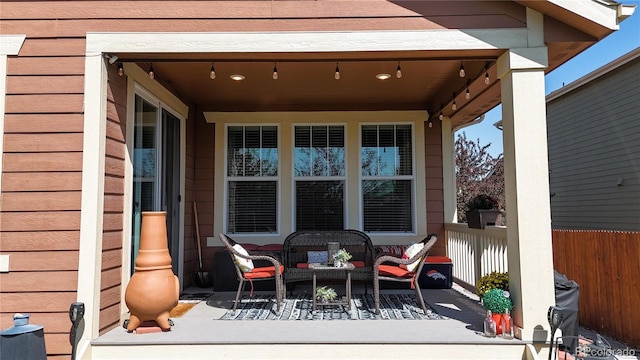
(252, 179)
(387, 178)
(315, 175)
(319, 170)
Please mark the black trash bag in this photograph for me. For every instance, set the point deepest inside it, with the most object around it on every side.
(567, 296)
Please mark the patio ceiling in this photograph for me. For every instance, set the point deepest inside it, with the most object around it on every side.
(306, 81)
(430, 79)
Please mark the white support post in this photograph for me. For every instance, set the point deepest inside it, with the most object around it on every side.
(92, 214)
(531, 283)
(449, 172)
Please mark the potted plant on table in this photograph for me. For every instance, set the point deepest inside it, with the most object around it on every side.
(341, 257)
(482, 210)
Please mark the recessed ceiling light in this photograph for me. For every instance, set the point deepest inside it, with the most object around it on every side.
(237, 77)
(383, 76)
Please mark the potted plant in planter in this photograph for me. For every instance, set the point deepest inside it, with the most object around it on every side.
(494, 280)
(325, 294)
(482, 210)
(498, 302)
(341, 257)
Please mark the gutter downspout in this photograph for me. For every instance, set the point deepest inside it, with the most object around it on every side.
(624, 11)
(475, 121)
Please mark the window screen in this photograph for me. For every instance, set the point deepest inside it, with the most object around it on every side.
(252, 170)
(319, 174)
(386, 157)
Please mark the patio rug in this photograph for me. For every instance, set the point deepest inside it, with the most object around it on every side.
(392, 306)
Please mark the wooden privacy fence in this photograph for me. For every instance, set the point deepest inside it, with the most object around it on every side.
(606, 266)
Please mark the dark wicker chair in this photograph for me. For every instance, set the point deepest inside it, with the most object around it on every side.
(387, 268)
(297, 244)
(257, 274)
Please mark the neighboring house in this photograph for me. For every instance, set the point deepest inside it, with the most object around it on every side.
(593, 127)
(111, 108)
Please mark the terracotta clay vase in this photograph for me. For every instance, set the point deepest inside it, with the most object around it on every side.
(153, 289)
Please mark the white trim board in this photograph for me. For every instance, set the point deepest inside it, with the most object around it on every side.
(9, 45)
(301, 42)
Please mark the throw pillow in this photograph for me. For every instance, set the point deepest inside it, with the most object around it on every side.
(317, 256)
(246, 265)
(390, 249)
(409, 253)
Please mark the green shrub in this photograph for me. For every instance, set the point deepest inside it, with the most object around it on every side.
(494, 280)
(497, 301)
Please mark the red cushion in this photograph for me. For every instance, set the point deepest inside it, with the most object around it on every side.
(250, 247)
(393, 270)
(437, 259)
(270, 247)
(263, 272)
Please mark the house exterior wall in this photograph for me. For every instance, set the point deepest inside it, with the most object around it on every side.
(594, 152)
(42, 167)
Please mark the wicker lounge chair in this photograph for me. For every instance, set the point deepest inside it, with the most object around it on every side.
(298, 244)
(387, 268)
(256, 274)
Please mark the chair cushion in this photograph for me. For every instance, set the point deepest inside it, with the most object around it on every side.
(263, 272)
(250, 247)
(393, 270)
(245, 265)
(270, 247)
(409, 253)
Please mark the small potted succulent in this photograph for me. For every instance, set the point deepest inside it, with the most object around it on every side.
(341, 257)
(482, 210)
(325, 294)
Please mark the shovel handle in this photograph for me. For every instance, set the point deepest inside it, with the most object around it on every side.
(195, 215)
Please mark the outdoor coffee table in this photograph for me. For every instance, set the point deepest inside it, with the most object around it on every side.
(332, 272)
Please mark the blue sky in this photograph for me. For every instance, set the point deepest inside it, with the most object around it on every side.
(606, 50)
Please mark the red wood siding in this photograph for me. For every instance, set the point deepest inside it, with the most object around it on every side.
(434, 185)
(203, 182)
(114, 189)
(41, 187)
(190, 251)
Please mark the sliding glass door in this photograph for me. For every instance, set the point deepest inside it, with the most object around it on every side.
(156, 171)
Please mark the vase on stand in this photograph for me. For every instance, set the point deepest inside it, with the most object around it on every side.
(153, 289)
(332, 248)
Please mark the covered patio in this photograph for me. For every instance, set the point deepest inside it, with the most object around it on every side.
(504, 62)
(199, 331)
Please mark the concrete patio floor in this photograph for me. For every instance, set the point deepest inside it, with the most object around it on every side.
(459, 335)
(462, 324)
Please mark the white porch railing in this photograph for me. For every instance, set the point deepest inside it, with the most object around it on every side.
(476, 252)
